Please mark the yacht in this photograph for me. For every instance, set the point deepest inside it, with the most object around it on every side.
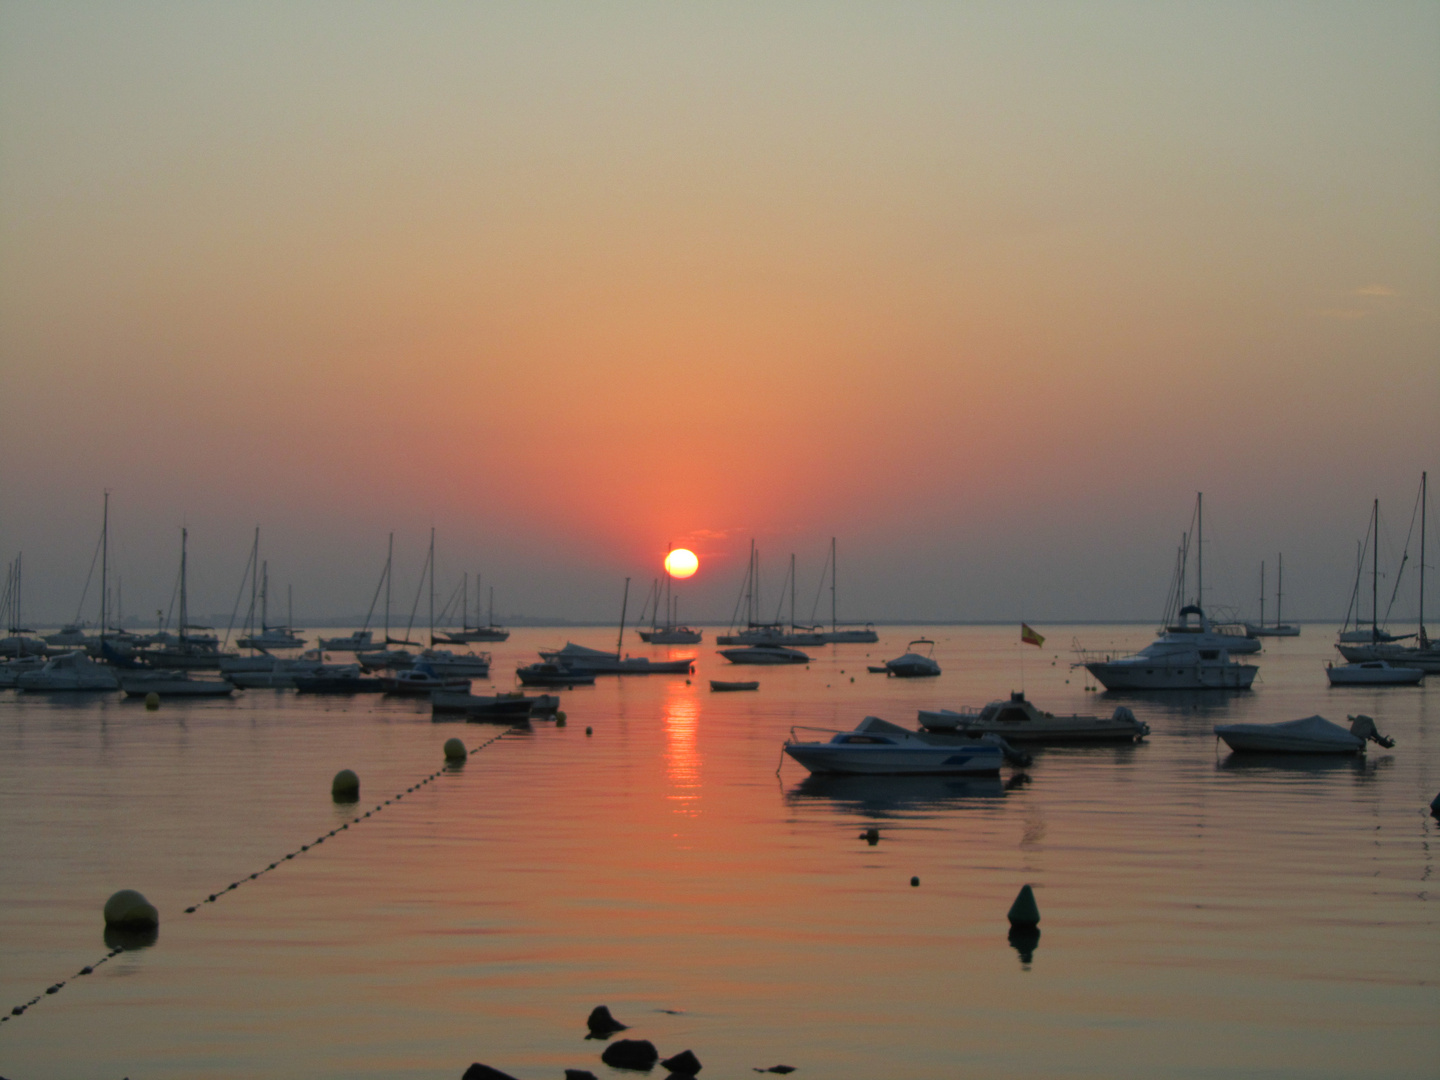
(1020, 721)
(764, 654)
(444, 662)
(1169, 664)
(1203, 634)
(878, 748)
(355, 641)
(1373, 673)
(600, 662)
(139, 684)
(1278, 628)
(551, 674)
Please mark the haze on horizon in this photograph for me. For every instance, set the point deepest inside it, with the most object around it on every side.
(986, 292)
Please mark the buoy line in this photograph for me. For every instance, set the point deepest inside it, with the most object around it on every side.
(55, 988)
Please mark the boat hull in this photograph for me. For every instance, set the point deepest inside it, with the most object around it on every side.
(825, 759)
(1123, 675)
(1313, 735)
(717, 684)
(677, 636)
(175, 688)
(1427, 660)
(764, 654)
(1053, 730)
(1283, 630)
(1366, 675)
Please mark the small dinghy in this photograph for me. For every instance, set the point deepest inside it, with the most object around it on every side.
(716, 684)
(1373, 673)
(879, 748)
(1312, 735)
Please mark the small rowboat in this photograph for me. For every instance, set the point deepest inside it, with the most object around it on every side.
(716, 684)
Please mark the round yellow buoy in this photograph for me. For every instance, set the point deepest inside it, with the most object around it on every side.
(560, 716)
(346, 786)
(129, 909)
(589, 731)
(455, 750)
(152, 701)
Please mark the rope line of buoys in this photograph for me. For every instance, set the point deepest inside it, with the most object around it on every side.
(451, 758)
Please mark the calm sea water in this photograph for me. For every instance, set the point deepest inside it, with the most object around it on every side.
(1201, 916)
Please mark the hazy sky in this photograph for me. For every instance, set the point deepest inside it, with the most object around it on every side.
(988, 291)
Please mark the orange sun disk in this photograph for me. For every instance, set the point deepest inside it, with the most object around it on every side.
(681, 563)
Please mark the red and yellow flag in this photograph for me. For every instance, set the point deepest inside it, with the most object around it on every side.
(1029, 636)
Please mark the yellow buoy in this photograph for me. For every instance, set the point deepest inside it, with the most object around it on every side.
(152, 701)
(128, 908)
(455, 750)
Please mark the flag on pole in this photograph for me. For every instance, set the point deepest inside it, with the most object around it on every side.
(1030, 637)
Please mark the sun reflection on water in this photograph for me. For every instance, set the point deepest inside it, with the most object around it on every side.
(682, 759)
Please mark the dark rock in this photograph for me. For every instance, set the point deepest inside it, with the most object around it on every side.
(602, 1023)
(631, 1054)
(580, 1074)
(684, 1063)
(485, 1072)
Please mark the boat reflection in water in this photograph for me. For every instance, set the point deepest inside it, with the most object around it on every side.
(877, 796)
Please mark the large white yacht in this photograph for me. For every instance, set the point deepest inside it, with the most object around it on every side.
(1173, 663)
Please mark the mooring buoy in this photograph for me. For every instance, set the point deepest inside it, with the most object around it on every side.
(130, 910)
(345, 787)
(1024, 911)
(455, 750)
(152, 701)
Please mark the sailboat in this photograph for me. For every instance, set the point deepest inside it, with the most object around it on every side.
(756, 632)
(18, 640)
(865, 635)
(186, 650)
(1425, 653)
(600, 662)
(442, 662)
(468, 633)
(387, 657)
(1280, 629)
(671, 632)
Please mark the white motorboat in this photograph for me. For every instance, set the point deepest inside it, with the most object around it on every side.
(139, 684)
(1312, 735)
(421, 679)
(444, 662)
(1203, 634)
(546, 673)
(764, 654)
(1172, 665)
(914, 664)
(1019, 721)
(355, 641)
(1373, 673)
(879, 748)
(69, 671)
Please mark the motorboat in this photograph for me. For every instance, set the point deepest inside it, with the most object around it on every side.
(764, 654)
(1373, 673)
(1204, 634)
(1425, 656)
(914, 664)
(719, 685)
(69, 671)
(422, 679)
(1173, 665)
(1312, 735)
(386, 659)
(70, 636)
(355, 641)
(547, 673)
(877, 747)
(602, 662)
(11, 670)
(444, 662)
(1020, 721)
(345, 679)
(672, 635)
(139, 684)
(493, 706)
(250, 673)
(272, 637)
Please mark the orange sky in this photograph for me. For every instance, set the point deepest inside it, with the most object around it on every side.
(987, 293)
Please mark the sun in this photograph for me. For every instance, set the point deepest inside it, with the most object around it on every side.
(681, 563)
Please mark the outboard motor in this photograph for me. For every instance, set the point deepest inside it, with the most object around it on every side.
(1013, 756)
(1363, 727)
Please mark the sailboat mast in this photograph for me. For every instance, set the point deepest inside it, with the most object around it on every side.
(1279, 585)
(1200, 550)
(104, 566)
(834, 573)
(254, 581)
(1424, 484)
(265, 596)
(620, 641)
(1375, 579)
(792, 592)
(184, 605)
(389, 559)
(750, 587)
(432, 583)
(1262, 592)
(492, 603)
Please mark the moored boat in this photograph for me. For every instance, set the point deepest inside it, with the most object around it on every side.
(720, 685)
(1373, 673)
(492, 706)
(1171, 665)
(601, 662)
(139, 684)
(876, 747)
(69, 672)
(547, 673)
(764, 654)
(422, 679)
(915, 664)
(1312, 735)
(1020, 721)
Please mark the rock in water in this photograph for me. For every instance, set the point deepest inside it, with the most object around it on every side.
(345, 787)
(455, 750)
(1024, 911)
(131, 911)
(602, 1023)
(631, 1054)
(684, 1063)
(485, 1072)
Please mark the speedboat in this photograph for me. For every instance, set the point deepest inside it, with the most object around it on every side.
(1312, 735)
(422, 679)
(444, 662)
(69, 671)
(493, 706)
(1020, 721)
(547, 673)
(172, 684)
(914, 665)
(877, 747)
(602, 662)
(717, 684)
(764, 654)
(356, 641)
(1173, 665)
(1373, 673)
